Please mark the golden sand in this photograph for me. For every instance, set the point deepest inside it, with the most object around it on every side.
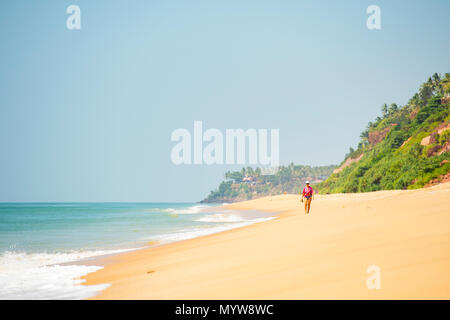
(321, 256)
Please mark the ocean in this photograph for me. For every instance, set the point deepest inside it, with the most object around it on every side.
(39, 240)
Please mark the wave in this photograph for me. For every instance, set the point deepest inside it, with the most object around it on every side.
(189, 210)
(222, 217)
(40, 275)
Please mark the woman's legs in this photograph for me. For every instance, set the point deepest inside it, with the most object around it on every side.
(307, 205)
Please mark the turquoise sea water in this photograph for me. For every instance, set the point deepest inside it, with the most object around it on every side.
(62, 227)
(37, 240)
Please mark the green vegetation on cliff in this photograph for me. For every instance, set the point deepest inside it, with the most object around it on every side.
(249, 183)
(406, 147)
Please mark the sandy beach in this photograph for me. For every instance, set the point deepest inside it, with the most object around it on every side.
(324, 255)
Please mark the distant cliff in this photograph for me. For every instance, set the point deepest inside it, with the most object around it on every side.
(249, 183)
(406, 147)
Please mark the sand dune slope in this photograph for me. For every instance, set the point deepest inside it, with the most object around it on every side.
(324, 255)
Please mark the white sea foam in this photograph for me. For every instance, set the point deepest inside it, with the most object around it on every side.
(189, 210)
(47, 276)
(40, 275)
(221, 217)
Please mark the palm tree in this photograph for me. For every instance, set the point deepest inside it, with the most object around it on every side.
(384, 109)
(446, 84)
(393, 108)
(414, 101)
(436, 78)
(425, 92)
(437, 83)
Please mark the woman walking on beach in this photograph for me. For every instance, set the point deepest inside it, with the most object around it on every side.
(308, 194)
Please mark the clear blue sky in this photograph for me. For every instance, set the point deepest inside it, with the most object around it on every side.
(87, 115)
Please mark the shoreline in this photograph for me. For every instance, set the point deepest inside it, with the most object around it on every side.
(102, 260)
(48, 263)
(293, 256)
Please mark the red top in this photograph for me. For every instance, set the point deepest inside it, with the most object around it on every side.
(307, 191)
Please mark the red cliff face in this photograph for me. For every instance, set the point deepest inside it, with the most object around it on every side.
(375, 137)
(442, 179)
(348, 162)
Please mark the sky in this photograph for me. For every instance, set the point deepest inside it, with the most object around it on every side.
(87, 115)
